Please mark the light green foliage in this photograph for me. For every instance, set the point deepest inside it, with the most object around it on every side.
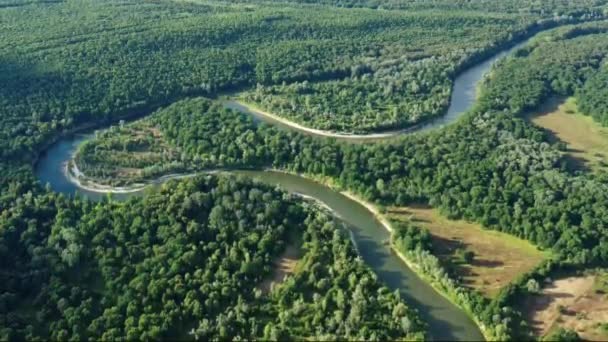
(532, 286)
(556, 63)
(403, 75)
(546, 8)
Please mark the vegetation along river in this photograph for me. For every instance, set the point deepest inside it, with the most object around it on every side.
(446, 321)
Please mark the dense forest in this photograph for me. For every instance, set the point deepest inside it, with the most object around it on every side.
(386, 92)
(545, 8)
(593, 96)
(559, 64)
(186, 260)
(112, 270)
(506, 176)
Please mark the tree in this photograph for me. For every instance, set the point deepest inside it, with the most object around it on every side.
(468, 256)
(532, 286)
(563, 335)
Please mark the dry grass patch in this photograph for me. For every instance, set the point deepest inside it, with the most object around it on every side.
(284, 266)
(586, 140)
(579, 303)
(499, 258)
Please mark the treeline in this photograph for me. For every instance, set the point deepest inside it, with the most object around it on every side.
(592, 97)
(129, 153)
(395, 96)
(556, 63)
(186, 261)
(492, 168)
(135, 269)
(544, 8)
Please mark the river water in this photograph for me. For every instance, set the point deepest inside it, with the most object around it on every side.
(446, 321)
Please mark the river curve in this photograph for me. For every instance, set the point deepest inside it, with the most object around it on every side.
(462, 99)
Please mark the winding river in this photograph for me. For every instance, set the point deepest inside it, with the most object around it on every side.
(462, 99)
(446, 321)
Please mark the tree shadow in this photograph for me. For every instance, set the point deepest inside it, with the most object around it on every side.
(487, 263)
(570, 161)
(542, 302)
(21, 79)
(447, 246)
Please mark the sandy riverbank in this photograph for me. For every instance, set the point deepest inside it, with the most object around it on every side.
(77, 177)
(328, 134)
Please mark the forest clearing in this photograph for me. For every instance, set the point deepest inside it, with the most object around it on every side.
(586, 141)
(498, 259)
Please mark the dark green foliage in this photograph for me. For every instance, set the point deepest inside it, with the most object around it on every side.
(593, 96)
(505, 176)
(465, 255)
(492, 167)
(335, 293)
(499, 320)
(116, 58)
(556, 63)
(408, 237)
(186, 257)
(545, 8)
(393, 85)
(563, 335)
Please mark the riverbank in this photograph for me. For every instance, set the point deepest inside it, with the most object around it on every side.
(254, 110)
(78, 178)
(370, 207)
(412, 265)
(126, 114)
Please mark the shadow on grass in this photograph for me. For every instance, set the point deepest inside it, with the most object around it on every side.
(569, 161)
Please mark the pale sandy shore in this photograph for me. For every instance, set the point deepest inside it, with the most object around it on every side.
(328, 134)
(77, 177)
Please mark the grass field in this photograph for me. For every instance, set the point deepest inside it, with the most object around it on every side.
(499, 258)
(587, 141)
(578, 302)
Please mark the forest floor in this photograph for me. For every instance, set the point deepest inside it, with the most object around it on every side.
(586, 140)
(284, 266)
(579, 303)
(499, 258)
